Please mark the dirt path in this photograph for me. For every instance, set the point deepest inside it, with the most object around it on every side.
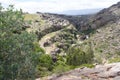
(44, 39)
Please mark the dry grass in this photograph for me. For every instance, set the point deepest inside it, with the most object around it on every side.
(31, 17)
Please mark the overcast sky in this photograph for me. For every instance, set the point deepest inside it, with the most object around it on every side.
(33, 6)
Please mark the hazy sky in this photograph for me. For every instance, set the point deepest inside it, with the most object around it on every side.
(57, 5)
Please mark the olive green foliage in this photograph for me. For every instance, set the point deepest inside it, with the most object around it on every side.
(45, 65)
(87, 65)
(61, 66)
(117, 59)
(37, 48)
(16, 47)
(46, 61)
(76, 57)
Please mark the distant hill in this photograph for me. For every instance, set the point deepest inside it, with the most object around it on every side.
(80, 12)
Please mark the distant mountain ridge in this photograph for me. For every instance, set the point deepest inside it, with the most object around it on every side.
(80, 12)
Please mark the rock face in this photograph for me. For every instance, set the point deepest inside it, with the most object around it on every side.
(99, 72)
(105, 16)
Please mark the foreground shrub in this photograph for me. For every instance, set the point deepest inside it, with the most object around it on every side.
(16, 47)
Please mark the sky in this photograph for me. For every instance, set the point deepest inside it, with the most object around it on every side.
(55, 6)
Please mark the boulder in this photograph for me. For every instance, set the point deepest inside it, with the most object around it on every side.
(47, 43)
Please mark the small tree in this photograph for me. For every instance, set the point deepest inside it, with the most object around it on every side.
(90, 53)
(16, 47)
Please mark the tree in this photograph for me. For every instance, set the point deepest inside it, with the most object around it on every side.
(16, 47)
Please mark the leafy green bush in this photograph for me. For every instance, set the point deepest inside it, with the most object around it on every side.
(45, 65)
(16, 47)
(76, 57)
(61, 66)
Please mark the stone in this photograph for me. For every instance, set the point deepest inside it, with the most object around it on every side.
(116, 78)
(57, 50)
(101, 72)
(46, 43)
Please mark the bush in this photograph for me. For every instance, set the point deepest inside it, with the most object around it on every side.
(114, 60)
(16, 47)
(87, 65)
(45, 65)
(37, 48)
(61, 66)
(76, 57)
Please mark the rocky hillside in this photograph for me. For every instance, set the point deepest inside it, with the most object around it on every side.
(106, 16)
(56, 33)
(99, 72)
(106, 36)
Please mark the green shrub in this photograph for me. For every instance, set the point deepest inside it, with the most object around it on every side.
(114, 60)
(76, 57)
(61, 66)
(16, 47)
(87, 65)
(45, 65)
(37, 48)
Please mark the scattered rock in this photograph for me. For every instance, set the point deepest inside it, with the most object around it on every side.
(47, 43)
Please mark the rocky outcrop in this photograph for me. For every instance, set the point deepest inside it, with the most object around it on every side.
(99, 72)
(106, 16)
(65, 20)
